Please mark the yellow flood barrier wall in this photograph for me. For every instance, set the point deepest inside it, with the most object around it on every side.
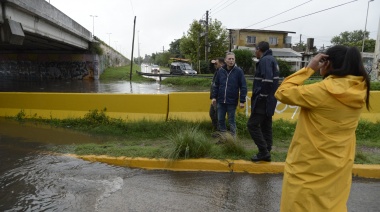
(129, 107)
(193, 106)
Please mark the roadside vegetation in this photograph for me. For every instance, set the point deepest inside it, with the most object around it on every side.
(178, 139)
(123, 73)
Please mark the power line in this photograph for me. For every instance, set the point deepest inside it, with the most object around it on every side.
(277, 14)
(224, 7)
(309, 14)
(217, 5)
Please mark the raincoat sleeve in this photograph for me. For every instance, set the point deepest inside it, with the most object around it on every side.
(293, 92)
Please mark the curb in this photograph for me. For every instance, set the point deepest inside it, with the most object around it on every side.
(213, 165)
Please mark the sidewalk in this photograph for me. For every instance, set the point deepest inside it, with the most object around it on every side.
(213, 165)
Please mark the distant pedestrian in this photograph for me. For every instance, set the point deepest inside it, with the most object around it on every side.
(218, 63)
(318, 167)
(229, 89)
(263, 102)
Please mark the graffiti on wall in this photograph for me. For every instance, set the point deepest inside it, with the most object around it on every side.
(36, 70)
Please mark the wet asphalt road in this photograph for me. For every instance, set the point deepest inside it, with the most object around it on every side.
(33, 179)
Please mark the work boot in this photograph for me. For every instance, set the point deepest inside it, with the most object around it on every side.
(261, 157)
(215, 134)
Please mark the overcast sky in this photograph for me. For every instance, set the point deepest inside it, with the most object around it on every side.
(159, 22)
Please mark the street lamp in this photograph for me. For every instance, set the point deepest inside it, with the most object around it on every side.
(365, 26)
(109, 39)
(93, 25)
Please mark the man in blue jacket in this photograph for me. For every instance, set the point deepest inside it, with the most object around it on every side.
(263, 102)
(229, 85)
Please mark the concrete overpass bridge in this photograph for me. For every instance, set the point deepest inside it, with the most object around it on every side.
(38, 41)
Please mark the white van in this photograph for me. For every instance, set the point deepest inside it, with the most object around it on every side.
(181, 68)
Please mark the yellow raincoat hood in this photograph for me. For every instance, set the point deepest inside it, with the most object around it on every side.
(348, 90)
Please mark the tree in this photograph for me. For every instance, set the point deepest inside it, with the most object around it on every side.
(355, 38)
(162, 58)
(244, 59)
(194, 41)
(301, 47)
(285, 68)
(174, 48)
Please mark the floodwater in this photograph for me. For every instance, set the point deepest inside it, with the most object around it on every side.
(93, 86)
(96, 86)
(32, 178)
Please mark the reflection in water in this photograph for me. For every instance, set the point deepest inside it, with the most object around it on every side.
(93, 86)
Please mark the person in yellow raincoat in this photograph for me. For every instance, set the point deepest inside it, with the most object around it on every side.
(318, 167)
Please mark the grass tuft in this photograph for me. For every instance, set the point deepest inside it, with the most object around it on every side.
(188, 142)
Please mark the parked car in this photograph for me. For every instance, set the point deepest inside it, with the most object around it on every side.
(155, 69)
(181, 68)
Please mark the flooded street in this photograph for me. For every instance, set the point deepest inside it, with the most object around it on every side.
(34, 179)
(92, 86)
(96, 86)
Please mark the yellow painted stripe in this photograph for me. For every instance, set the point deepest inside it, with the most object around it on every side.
(213, 165)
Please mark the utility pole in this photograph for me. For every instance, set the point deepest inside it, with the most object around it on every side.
(206, 38)
(300, 39)
(138, 46)
(230, 33)
(93, 24)
(365, 27)
(133, 41)
(199, 53)
(376, 60)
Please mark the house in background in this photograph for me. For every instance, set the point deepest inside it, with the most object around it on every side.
(279, 42)
(250, 37)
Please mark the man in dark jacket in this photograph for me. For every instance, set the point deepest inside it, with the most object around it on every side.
(263, 102)
(229, 82)
(218, 63)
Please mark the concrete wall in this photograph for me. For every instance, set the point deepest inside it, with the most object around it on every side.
(42, 66)
(48, 66)
(192, 106)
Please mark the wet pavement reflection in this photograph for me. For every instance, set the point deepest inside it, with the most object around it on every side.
(92, 86)
(96, 86)
(34, 179)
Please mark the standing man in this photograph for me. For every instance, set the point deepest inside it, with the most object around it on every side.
(263, 102)
(218, 63)
(229, 82)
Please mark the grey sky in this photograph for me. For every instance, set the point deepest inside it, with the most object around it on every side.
(159, 22)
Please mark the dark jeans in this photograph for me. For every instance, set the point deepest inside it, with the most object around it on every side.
(214, 116)
(230, 110)
(260, 129)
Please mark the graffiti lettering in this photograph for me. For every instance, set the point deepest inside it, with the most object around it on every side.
(280, 107)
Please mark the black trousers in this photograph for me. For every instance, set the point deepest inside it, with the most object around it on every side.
(260, 129)
(214, 117)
